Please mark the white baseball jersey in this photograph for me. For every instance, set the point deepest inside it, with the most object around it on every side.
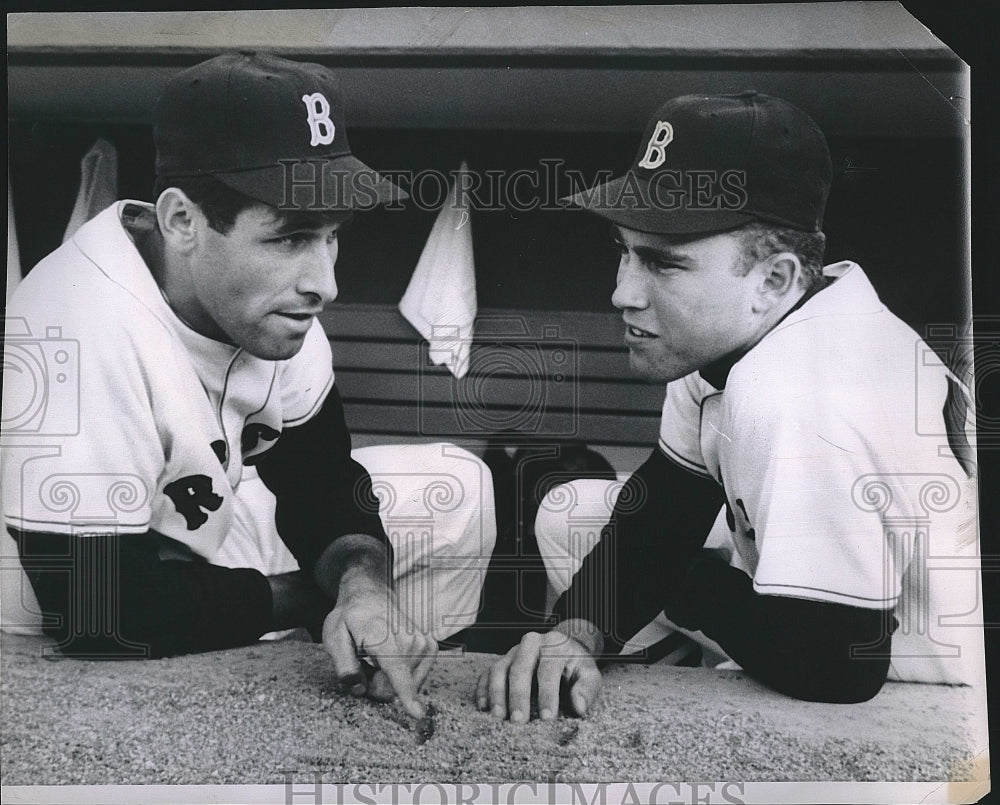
(118, 416)
(829, 441)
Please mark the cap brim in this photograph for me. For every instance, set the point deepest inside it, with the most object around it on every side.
(321, 184)
(628, 202)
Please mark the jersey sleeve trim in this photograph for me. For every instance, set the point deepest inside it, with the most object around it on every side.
(684, 463)
(291, 423)
(821, 594)
(79, 529)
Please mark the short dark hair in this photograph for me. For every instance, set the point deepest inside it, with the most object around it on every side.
(760, 240)
(221, 205)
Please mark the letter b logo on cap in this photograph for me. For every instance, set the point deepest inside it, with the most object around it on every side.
(322, 128)
(656, 149)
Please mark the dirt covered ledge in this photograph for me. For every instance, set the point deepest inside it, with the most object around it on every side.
(257, 714)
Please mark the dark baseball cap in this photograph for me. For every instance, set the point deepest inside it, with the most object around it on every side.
(710, 163)
(270, 128)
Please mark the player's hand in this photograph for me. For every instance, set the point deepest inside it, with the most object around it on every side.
(559, 663)
(368, 623)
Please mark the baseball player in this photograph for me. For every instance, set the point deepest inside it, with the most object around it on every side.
(182, 365)
(793, 512)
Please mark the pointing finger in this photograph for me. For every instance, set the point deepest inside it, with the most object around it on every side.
(397, 669)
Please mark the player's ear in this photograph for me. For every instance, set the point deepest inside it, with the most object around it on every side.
(179, 219)
(779, 276)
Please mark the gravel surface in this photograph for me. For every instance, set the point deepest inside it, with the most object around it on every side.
(253, 715)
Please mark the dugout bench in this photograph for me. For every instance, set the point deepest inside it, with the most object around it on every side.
(534, 376)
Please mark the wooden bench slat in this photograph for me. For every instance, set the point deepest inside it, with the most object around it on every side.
(413, 357)
(385, 322)
(391, 389)
(500, 391)
(384, 357)
(449, 422)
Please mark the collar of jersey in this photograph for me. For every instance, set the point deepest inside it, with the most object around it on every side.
(848, 292)
(105, 242)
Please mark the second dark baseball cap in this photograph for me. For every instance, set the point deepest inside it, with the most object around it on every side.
(270, 128)
(709, 163)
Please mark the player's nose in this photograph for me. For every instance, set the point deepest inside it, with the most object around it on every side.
(630, 290)
(318, 276)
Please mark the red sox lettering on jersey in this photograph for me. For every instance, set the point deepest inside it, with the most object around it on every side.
(194, 498)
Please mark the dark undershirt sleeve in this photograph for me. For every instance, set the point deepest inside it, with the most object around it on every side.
(813, 650)
(113, 597)
(650, 559)
(322, 493)
(662, 518)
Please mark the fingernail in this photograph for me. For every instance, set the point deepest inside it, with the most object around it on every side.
(481, 704)
(498, 711)
(517, 717)
(357, 690)
(546, 714)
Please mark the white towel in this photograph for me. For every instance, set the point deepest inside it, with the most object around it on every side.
(440, 301)
(98, 185)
